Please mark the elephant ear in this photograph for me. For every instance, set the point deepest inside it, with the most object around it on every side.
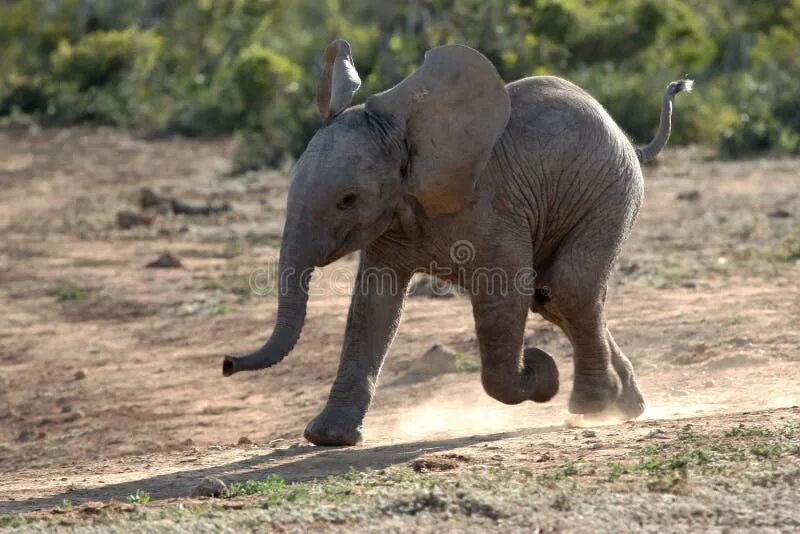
(339, 80)
(454, 109)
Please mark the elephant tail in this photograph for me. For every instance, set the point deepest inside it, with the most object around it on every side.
(648, 152)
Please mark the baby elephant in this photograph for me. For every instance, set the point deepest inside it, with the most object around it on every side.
(522, 194)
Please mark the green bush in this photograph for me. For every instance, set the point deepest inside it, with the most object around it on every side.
(249, 67)
(104, 76)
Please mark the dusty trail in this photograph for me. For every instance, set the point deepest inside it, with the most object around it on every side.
(109, 372)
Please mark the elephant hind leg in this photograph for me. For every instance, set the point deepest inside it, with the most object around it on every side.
(576, 284)
(596, 384)
(630, 402)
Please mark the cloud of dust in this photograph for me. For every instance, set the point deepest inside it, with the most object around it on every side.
(783, 401)
(473, 413)
(677, 410)
(455, 417)
(442, 418)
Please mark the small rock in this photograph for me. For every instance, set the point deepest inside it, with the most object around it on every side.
(26, 435)
(689, 196)
(8, 413)
(166, 260)
(275, 443)
(244, 440)
(150, 198)
(779, 214)
(66, 408)
(435, 463)
(629, 268)
(92, 507)
(80, 374)
(709, 384)
(187, 208)
(74, 416)
(437, 360)
(657, 433)
(129, 219)
(210, 487)
(589, 434)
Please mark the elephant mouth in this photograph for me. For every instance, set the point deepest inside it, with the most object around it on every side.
(343, 249)
(359, 236)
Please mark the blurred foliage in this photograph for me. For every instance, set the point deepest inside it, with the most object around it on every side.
(209, 67)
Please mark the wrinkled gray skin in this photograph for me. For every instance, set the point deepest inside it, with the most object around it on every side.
(533, 175)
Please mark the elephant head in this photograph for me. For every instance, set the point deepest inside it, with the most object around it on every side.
(420, 145)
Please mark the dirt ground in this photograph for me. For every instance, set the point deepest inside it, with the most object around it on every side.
(111, 393)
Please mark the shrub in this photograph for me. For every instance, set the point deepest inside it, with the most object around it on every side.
(249, 67)
(104, 76)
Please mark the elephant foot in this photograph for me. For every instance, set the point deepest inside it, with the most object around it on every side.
(334, 428)
(537, 381)
(544, 370)
(594, 394)
(630, 403)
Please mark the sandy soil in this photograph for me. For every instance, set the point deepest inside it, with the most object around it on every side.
(110, 372)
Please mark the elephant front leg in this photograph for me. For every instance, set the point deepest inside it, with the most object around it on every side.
(508, 374)
(375, 312)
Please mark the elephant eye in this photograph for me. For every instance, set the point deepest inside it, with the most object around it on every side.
(347, 201)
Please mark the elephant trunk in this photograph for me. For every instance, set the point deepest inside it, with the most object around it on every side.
(655, 146)
(295, 275)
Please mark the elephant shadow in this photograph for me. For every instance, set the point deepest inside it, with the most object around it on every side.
(306, 462)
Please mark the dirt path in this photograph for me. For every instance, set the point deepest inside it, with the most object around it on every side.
(109, 372)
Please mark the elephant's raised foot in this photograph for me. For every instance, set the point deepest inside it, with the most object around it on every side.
(538, 380)
(544, 370)
(332, 429)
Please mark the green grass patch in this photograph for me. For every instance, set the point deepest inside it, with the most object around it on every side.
(273, 484)
(466, 364)
(567, 470)
(769, 450)
(743, 432)
(12, 521)
(140, 497)
(333, 489)
(223, 309)
(66, 290)
(616, 470)
(789, 249)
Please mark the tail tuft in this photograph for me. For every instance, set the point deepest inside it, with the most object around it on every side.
(680, 86)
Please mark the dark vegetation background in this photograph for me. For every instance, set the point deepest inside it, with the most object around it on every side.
(249, 67)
